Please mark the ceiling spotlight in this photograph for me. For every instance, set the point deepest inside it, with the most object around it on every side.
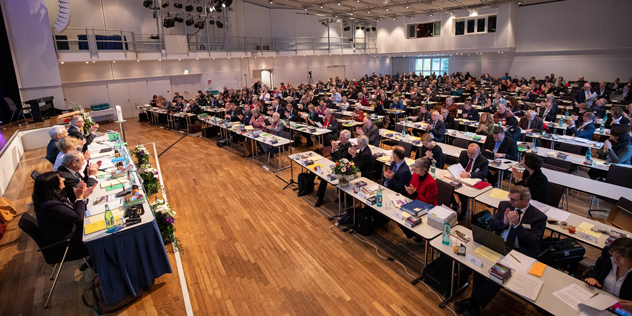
(86, 62)
(62, 62)
(159, 59)
(357, 27)
(165, 3)
(338, 2)
(211, 22)
(190, 21)
(219, 24)
(227, 3)
(305, 9)
(169, 21)
(407, 6)
(367, 29)
(147, 3)
(394, 19)
(138, 60)
(93, 61)
(178, 4)
(271, 2)
(178, 18)
(321, 6)
(114, 62)
(373, 29)
(199, 24)
(369, 11)
(430, 14)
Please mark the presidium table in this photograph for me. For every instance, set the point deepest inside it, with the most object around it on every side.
(130, 259)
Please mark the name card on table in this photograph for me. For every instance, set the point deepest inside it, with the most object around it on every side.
(398, 215)
(587, 237)
(361, 195)
(477, 262)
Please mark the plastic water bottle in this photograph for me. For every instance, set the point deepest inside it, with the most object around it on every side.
(109, 220)
(433, 170)
(566, 114)
(588, 155)
(602, 128)
(379, 196)
(445, 239)
(404, 131)
(560, 123)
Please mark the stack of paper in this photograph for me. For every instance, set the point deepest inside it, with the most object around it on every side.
(585, 297)
(525, 285)
(518, 261)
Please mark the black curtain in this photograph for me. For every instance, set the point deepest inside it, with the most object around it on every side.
(8, 81)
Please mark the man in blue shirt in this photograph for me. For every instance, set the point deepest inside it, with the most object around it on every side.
(395, 105)
(336, 97)
(506, 77)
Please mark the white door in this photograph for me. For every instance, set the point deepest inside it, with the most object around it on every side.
(187, 86)
(266, 79)
(138, 94)
(336, 71)
(119, 95)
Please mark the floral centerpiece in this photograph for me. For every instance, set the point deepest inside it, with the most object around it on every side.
(86, 118)
(345, 171)
(141, 154)
(151, 182)
(165, 217)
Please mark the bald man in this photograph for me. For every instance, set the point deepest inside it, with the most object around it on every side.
(473, 162)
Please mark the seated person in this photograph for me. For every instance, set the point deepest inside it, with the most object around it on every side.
(56, 133)
(547, 113)
(531, 123)
(533, 178)
(617, 149)
(431, 151)
(358, 114)
(586, 130)
(423, 115)
(396, 105)
(522, 226)
(499, 146)
(66, 145)
(617, 118)
(344, 104)
(257, 122)
(489, 107)
(311, 120)
(447, 119)
(611, 272)
(512, 129)
(339, 150)
(57, 219)
(71, 169)
(330, 123)
(475, 166)
(599, 108)
(469, 112)
(361, 157)
(397, 175)
(371, 131)
(501, 114)
(290, 114)
(422, 187)
(485, 124)
(436, 127)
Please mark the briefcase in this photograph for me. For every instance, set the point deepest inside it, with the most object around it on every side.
(195, 128)
(564, 254)
(209, 132)
(438, 274)
(142, 117)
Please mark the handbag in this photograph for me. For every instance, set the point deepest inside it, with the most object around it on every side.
(7, 212)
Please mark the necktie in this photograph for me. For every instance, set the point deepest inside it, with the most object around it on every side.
(469, 165)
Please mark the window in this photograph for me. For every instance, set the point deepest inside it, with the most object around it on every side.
(485, 24)
(426, 66)
(424, 30)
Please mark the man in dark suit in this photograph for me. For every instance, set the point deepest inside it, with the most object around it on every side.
(76, 131)
(522, 226)
(584, 96)
(448, 120)
(340, 149)
(424, 115)
(362, 156)
(546, 112)
(56, 133)
(71, 168)
(213, 102)
(275, 107)
(555, 107)
(499, 146)
(330, 123)
(526, 94)
(436, 127)
(473, 162)
(531, 123)
(291, 113)
(603, 91)
(233, 113)
(398, 175)
(469, 112)
(372, 132)
(586, 130)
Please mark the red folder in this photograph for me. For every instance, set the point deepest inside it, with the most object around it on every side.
(481, 185)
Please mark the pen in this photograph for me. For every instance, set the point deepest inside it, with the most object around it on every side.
(515, 258)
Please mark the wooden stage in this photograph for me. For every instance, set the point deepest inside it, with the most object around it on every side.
(251, 248)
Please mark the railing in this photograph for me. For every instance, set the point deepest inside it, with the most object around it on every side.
(103, 40)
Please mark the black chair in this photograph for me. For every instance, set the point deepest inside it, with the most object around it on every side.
(460, 142)
(445, 191)
(607, 215)
(337, 115)
(408, 147)
(398, 129)
(619, 175)
(54, 254)
(16, 108)
(34, 175)
(557, 165)
(569, 148)
(556, 192)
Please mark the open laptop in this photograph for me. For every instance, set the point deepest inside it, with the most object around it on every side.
(620, 218)
(490, 240)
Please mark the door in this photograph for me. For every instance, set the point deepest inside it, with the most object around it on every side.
(266, 78)
(336, 71)
(187, 86)
(119, 95)
(138, 94)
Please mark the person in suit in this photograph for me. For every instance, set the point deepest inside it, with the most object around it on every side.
(478, 98)
(369, 130)
(617, 149)
(531, 123)
(233, 113)
(212, 101)
(311, 120)
(424, 115)
(586, 130)
(76, 131)
(499, 146)
(522, 226)
(276, 107)
(330, 123)
(291, 114)
(436, 127)
(599, 108)
(71, 170)
(603, 91)
(397, 175)
(611, 272)
(617, 118)
(431, 150)
(470, 112)
(339, 149)
(533, 178)
(474, 163)
(245, 116)
(584, 96)
(546, 112)
(56, 133)
(527, 95)
(447, 119)
(625, 92)
(57, 218)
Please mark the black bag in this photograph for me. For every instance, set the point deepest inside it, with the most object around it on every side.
(142, 117)
(99, 307)
(481, 219)
(564, 254)
(305, 184)
(438, 274)
(365, 221)
(209, 132)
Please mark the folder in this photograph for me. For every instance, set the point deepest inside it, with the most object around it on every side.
(537, 269)
(97, 226)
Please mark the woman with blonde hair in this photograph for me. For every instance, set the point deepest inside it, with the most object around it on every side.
(485, 124)
(67, 144)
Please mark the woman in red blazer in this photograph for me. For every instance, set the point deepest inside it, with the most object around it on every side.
(422, 186)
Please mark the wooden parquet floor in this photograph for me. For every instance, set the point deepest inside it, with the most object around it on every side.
(251, 248)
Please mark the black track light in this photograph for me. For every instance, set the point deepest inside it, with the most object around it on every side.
(190, 21)
(165, 3)
(178, 18)
(147, 3)
(169, 22)
(373, 29)
(219, 24)
(177, 4)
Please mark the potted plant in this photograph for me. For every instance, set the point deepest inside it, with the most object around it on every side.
(345, 171)
(141, 154)
(151, 183)
(165, 217)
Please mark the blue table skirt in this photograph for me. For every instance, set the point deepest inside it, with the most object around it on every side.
(129, 261)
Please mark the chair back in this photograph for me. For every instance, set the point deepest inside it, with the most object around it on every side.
(337, 115)
(621, 214)
(556, 192)
(569, 148)
(35, 174)
(408, 147)
(445, 191)
(460, 142)
(620, 175)
(557, 165)
(10, 103)
(399, 128)
(52, 255)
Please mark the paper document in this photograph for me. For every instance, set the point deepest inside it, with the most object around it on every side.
(575, 294)
(456, 170)
(518, 261)
(469, 181)
(557, 214)
(525, 285)
(489, 254)
(586, 227)
(581, 140)
(323, 130)
(319, 124)
(499, 194)
(397, 199)
(599, 302)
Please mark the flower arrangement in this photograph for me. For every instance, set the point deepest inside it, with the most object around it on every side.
(345, 170)
(86, 118)
(165, 217)
(151, 182)
(141, 154)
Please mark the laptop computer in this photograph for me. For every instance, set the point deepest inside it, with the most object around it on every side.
(490, 240)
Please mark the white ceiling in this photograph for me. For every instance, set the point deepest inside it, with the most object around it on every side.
(381, 9)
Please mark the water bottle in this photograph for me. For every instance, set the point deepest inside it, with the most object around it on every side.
(446, 233)
(566, 114)
(214, 119)
(560, 123)
(588, 155)
(602, 128)
(129, 179)
(433, 170)
(379, 196)
(109, 220)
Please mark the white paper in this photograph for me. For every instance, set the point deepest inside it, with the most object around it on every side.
(574, 294)
(456, 170)
(580, 140)
(557, 214)
(319, 125)
(525, 285)
(599, 302)
(523, 266)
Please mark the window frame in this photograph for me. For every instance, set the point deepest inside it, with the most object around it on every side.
(434, 25)
(427, 72)
(475, 19)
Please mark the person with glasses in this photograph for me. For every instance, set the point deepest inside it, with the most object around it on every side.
(76, 131)
(611, 272)
(522, 226)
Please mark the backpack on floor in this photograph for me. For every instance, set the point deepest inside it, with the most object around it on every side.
(305, 184)
(364, 221)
